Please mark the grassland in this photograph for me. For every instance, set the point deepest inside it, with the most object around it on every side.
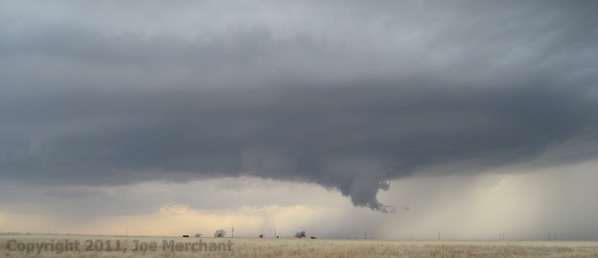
(108, 246)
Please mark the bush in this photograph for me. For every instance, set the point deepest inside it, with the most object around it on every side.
(300, 234)
(220, 233)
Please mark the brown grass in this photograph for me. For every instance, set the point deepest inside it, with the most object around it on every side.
(249, 247)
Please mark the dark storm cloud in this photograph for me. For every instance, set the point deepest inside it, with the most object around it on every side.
(346, 137)
(412, 87)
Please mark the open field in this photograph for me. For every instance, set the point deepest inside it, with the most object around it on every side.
(109, 246)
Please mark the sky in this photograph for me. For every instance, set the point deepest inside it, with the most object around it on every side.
(403, 119)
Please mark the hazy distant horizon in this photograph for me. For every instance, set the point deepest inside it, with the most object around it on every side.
(447, 238)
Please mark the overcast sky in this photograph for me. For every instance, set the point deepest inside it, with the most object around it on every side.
(470, 118)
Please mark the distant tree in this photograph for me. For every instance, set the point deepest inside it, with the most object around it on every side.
(261, 235)
(313, 237)
(220, 233)
(198, 235)
(300, 234)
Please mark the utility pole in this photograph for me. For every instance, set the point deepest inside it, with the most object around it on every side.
(232, 232)
(366, 235)
(439, 236)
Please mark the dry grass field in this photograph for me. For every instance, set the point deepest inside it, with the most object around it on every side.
(106, 246)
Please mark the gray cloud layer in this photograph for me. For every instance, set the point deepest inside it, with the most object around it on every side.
(343, 95)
